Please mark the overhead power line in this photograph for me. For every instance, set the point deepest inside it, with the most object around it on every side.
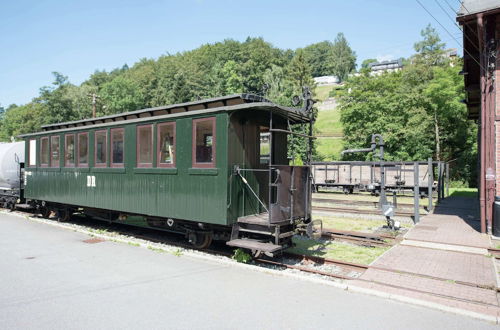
(458, 26)
(465, 50)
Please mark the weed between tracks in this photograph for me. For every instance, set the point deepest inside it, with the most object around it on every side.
(337, 250)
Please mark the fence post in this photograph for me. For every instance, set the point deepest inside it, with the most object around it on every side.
(416, 194)
(430, 181)
(447, 179)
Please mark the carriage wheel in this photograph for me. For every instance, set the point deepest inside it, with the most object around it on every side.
(63, 215)
(200, 240)
(45, 212)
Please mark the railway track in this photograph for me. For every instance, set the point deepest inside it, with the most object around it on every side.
(354, 202)
(330, 268)
(307, 264)
(315, 265)
(357, 211)
(359, 238)
(494, 252)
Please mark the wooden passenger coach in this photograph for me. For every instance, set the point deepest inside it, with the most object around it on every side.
(196, 168)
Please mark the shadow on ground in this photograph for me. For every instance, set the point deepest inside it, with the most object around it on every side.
(464, 206)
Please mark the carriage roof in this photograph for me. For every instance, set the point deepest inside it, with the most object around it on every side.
(207, 106)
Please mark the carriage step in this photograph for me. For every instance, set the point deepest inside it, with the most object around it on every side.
(254, 245)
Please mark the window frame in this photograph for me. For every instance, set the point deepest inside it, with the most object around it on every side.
(77, 160)
(111, 160)
(74, 149)
(138, 146)
(158, 145)
(42, 164)
(59, 151)
(30, 153)
(194, 163)
(105, 164)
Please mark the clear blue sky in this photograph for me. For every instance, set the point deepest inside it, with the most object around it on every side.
(78, 37)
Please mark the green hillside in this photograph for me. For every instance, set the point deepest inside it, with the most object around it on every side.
(328, 127)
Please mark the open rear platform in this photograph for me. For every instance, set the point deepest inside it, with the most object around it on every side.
(256, 219)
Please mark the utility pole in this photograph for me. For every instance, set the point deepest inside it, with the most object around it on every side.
(94, 97)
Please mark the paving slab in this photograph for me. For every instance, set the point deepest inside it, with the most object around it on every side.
(451, 265)
(442, 260)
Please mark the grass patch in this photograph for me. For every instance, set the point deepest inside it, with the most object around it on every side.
(337, 250)
(328, 122)
(463, 192)
(323, 92)
(354, 224)
(329, 148)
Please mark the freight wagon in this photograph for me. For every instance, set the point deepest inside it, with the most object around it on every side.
(365, 176)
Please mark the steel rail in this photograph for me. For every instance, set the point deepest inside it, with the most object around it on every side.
(360, 211)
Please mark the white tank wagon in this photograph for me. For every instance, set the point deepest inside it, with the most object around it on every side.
(11, 155)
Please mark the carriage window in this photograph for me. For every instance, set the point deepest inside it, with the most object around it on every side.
(117, 147)
(44, 151)
(145, 146)
(32, 153)
(264, 145)
(54, 151)
(69, 151)
(204, 142)
(83, 149)
(166, 145)
(100, 148)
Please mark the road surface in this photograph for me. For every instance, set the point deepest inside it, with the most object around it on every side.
(51, 279)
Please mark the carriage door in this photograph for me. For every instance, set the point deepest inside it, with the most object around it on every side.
(290, 193)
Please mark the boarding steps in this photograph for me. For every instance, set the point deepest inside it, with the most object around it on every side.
(254, 232)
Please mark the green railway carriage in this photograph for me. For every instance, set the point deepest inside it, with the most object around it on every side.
(211, 169)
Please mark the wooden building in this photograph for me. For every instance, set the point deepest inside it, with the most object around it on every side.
(480, 20)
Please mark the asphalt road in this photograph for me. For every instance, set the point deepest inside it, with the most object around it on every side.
(51, 279)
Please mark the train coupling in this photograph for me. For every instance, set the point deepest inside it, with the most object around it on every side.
(313, 229)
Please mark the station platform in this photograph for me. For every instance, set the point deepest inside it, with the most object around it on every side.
(443, 260)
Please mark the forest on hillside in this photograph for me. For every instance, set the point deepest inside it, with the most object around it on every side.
(418, 109)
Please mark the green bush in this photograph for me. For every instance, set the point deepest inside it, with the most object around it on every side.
(241, 256)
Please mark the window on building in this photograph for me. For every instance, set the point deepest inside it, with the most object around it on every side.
(166, 145)
(101, 145)
(204, 142)
(54, 151)
(69, 150)
(83, 149)
(145, 146)
(32, 153)
(117, 146)
(44, 151)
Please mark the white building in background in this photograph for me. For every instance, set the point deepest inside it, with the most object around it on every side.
(326, 80)
(385, 66)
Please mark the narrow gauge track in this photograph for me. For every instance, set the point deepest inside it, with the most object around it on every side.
(360, 238)
(307, 264)
(494, 252)
(359, 211)
(355, 202)
(345, 270)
